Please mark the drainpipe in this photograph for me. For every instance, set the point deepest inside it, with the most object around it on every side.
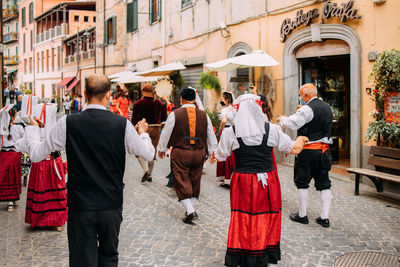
(104, 48)
(163, 7)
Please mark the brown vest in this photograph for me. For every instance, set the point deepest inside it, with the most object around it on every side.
(190, 130)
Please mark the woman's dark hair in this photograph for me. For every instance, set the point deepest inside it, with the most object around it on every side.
(228, 97)
(266, 108)
(12, 113)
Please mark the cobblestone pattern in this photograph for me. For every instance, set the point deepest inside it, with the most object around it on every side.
(152, 233)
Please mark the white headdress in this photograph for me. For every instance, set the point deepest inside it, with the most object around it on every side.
(249, 119)
(5, 119)
(198, 100)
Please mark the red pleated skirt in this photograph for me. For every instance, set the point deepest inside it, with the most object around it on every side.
(46, 203)
(10, 175)
(255, 227)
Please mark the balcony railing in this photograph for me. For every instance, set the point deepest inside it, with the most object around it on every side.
(10, 37)
(12, 60)
(51, 33)
(10, 13)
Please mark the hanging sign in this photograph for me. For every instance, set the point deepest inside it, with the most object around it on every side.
(345, 12)
(392, 107)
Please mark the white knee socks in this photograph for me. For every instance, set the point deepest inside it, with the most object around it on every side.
(189, 206)
(143, 164)
(326, 197)
(193, 199)
(302, 195)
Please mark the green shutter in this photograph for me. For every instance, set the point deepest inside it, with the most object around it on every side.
(31, 40)
(106, 32)
(151, 8)
(135, 15)
(129, 17)
(114, 25)
(159, 10)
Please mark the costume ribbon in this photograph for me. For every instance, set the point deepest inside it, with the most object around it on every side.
(317, 146)
(29, 105)
(263, 177)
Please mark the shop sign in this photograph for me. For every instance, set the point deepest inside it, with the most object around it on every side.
(392, 107)
(329, 10)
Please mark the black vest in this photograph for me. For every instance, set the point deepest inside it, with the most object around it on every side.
(320, 126)
(254, 159)
(96, 159)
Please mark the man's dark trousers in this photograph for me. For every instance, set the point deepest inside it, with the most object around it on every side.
(93, 237)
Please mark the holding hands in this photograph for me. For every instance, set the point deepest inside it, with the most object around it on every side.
(141, 126)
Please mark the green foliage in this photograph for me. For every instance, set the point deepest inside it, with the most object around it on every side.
(27, 92)
(177, 78)
(213, 114)
(209, 81)
(386, 78)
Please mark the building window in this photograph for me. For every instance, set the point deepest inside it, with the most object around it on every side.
(186, 3)
(16, 27)
(25, 65)
(155, 11)
(30, 13)
(86, 18)
(94, 18)
(53, 58)
(37, 61)
(16, 50)
(76, 18)
(30, 65)
(58, 57)
(31, 40)
(111, 31)
(42, 61)
(47, 60)
(23, 17)
(30, 86)
(132, 16)
(23, 43)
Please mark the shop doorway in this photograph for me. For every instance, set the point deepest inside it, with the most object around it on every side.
(331, 75)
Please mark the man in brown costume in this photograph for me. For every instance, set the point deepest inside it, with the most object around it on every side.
(189, 131)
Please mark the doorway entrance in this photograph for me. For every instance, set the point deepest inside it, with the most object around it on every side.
(331, 75)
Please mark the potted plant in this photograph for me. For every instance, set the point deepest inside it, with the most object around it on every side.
(386, 78)
(209, 81)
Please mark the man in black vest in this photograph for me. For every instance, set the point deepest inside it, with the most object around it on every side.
(314, 120)
(96, 142)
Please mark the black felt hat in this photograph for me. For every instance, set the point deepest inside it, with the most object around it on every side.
(188, 94)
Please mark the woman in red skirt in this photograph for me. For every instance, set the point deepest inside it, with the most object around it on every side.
(46, 204)
(10, 158)
(256, 206)
(225, 168)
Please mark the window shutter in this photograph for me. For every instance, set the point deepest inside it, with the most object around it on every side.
(135, 15)
(129, 17)
(159, 7)
(114, 25)
(31, 40)
(151, 7)
(106, 32)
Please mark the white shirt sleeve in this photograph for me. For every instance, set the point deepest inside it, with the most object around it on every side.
(297, 120)
(211, 139)
(136, 144)
(166, 133)
(227, 143)
(277, 138)
(55, 140)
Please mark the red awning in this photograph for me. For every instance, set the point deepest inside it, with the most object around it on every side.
(72, 85)
(64, 82)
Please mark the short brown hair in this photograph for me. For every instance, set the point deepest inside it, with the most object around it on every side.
(97, 86)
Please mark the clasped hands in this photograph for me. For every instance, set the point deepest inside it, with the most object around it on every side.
(142, 126)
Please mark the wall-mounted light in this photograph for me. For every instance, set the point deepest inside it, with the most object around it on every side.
(379, 1)
(368, 90)
(224, 29)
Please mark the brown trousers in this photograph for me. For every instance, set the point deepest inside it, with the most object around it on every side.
(187, 167)
(154, 133)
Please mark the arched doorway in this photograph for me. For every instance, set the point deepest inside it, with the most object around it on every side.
(238, 79)
(293, 78)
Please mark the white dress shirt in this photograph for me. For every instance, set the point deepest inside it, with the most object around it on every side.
(16, 132)
(297, 120)
(169, 126)
(56, 139)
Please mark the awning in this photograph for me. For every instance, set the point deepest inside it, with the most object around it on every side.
(164, 70)
(119, 74)
(256, 59)
(72, 85)
(64, 82)
(11, 71)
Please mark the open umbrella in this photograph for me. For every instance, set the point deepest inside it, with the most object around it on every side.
(119, 74)
(133, 78)
(256, 59)
(164, 70)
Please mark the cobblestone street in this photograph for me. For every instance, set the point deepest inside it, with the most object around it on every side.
(152, 233)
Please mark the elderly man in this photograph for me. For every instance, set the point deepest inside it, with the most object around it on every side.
(312, 119)
(96, 142)
(154, 112)
(189, 131)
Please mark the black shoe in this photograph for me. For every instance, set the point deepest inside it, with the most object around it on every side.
(146, 177)
(149, 179)
(296, 218)
(189, 218)
(322, 222)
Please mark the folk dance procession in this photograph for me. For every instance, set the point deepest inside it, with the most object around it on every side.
(94, 144)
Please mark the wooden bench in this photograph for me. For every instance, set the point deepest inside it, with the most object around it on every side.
(387, 167)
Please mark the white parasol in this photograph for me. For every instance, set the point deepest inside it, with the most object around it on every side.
(256, 59)
(119, 74)
(133, 78)
(164, 70)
